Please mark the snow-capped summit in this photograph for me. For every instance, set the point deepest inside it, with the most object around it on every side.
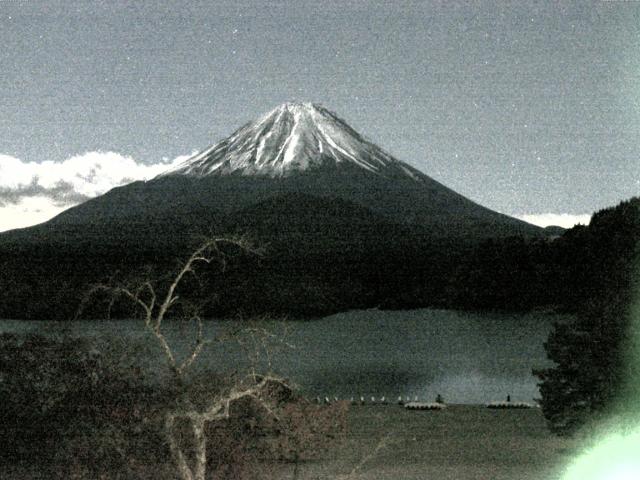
(292, 137)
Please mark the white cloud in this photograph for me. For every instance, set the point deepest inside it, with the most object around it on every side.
(565, 220)
(29, 211)
(33, 192)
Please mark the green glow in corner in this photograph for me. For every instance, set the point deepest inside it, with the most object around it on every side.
(617, 457)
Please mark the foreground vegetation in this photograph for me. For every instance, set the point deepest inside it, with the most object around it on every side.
(69, 410)
(389, 442)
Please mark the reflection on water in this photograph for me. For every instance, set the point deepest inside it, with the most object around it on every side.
(465, 357)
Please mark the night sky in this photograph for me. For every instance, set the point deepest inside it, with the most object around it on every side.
(528, 108)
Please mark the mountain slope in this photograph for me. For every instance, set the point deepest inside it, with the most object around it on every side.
(296, 148)
(343, 223)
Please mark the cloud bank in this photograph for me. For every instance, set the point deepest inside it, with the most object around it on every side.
(565, 220)
(32, 193)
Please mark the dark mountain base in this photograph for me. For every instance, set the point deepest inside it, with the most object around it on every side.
(321, 257)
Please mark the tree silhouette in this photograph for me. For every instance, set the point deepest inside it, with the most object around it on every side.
(590, 351)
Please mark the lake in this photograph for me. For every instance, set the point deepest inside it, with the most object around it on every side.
(465, 357)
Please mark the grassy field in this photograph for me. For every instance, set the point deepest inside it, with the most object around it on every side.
(460, 443)
(388, 442)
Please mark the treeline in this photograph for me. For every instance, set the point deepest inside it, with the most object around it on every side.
(596, 355)
(583, 265)
(315, 263)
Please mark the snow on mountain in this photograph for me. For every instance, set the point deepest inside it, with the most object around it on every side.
(297, 151)
(292, 137)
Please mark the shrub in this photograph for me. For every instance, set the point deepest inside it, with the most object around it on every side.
(63, 399)
(76, 412)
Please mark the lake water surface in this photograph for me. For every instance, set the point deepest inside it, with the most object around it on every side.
(465, 357)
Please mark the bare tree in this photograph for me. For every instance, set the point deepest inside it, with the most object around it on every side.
(156, 306)
(220, 409)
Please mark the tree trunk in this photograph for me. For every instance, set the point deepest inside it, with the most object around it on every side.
(200, 448)
(179, 458)
(199, 470)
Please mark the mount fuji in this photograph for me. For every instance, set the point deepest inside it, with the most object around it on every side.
(295, 149)
(343, 222)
